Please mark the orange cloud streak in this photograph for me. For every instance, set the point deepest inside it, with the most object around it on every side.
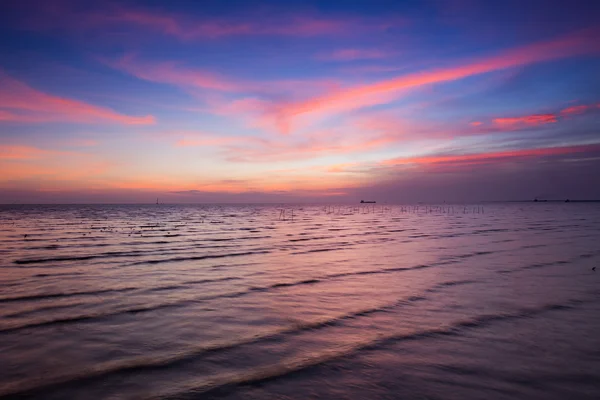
(360, 96)
(21, 103)
(543, 119)
(343, 167)
(490, 157)
(322, 143)
(20, 152)
(580, 109)
(528, 120)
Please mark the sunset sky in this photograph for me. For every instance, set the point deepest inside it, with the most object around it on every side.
(240, 101)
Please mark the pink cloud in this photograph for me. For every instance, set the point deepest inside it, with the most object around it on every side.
(579, 109)
(583, 42)
(214, 87)
(225, 96)
(84, 142)
(534, 120)
(246, 105)
(187, 28)
(394, 129)
(388, 127)
(193, 138)
(53, 15)
(173, 73)
(309, 146)
(492, 157)
(343, 167)
(21, 103)
(22, 164)
(353, 54)
(205, 142)
(20, 152)
(528, 120)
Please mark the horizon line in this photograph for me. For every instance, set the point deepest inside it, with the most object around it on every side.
(305, 202)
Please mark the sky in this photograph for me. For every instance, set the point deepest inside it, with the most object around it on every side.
(299, 101)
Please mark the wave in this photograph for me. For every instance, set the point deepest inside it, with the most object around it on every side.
(442, 285)
(43, 296)
(319, 250)
(490, 231)
(195, 258)
(25, 313)
(165, 288)
(200, 281)
(379, 271)
(233, 238)
(186, 284)
(543, 265)
(25, 261)
(278, 285)
(106, 370)
(51, 274)
(86, 317)
(311, 238)
(230, 382)
(551, 263)
(178, 303)
(121, 254)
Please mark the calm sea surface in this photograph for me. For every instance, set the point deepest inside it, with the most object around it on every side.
(236, 302)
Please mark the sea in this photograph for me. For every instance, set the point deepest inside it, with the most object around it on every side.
(300, 301)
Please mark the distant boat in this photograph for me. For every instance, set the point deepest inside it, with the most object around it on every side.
(157, 200)
(367, 201)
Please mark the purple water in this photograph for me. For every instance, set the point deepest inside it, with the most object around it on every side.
(342, 302)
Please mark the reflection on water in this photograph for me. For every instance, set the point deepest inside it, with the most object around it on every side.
(342, 302)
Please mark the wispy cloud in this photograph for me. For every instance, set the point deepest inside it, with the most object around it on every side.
(343, 167)
(77, 142)
(314, 145)
(24, 165)
(527, 120)
(579, 109)
(583, 42)
(533, 120)
(21, 103)
(254, 93)
(353, 54)
(21, 152)
(174, 73)
(188, 27)
(492, 157)
(205, 142)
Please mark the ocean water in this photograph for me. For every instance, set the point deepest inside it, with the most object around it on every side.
(341, 302)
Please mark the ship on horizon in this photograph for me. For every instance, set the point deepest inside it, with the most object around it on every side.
(368, 201)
